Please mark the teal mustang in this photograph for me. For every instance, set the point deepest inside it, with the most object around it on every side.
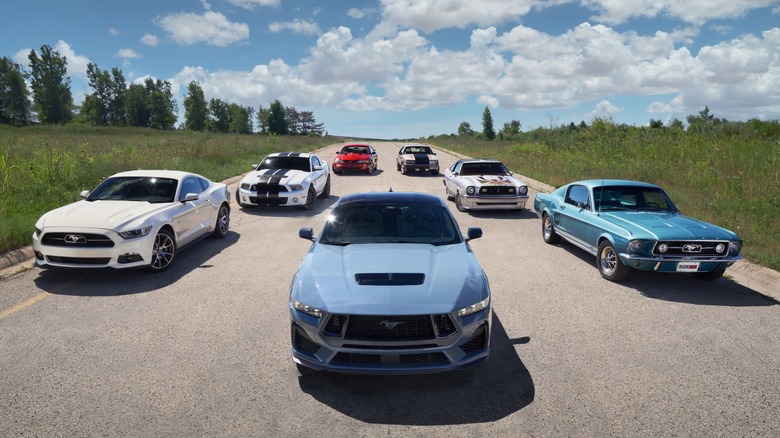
(629, 224)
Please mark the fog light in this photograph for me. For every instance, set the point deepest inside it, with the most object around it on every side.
(295, 200)
(130, 258)
(38, 255)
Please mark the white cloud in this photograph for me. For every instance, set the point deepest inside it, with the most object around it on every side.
(128, 54)
(150, 40)
(431, 15)
(211, 28)
(605, 108)
(251, 4)
(77, 64)
(113, 32)
(296, 26)
(690, 11)
(359, 13)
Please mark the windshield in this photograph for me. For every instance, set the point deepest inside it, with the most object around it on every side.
(617, 198)
(418, 150)
(484, 169)
(135, 188)
(292, 163)
(354, 150)
(390, 223)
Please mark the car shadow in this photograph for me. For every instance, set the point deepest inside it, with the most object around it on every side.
(108, 283)
(319, 206)
(681, 288)
(489, 392)
(358, 173)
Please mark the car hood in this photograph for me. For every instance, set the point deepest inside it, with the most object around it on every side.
(667, 226)
(491, 180)
(419, 157)
(453, 279)
(98, 214)
(284, 177)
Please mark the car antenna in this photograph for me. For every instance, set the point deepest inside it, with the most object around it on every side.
(391, 190)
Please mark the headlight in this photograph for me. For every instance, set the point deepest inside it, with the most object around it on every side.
(245, 186)
(482, 305)
(523, 190)
(734, 247)
(296, 187)
(305, 308)
(434, 162)
(337, 160)
(132, 234)
(662, 248)
(363, 162)
(470, 190)
(634, 245)
(38, 231)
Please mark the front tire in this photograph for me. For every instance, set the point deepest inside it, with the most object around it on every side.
(223, 222)
(163, 251)
(326, 191)
(609, 263)
(459, 203)
(548, 230)
(310, 198)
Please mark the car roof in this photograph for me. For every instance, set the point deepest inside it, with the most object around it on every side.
(174, 174)
(290, 154)
(410, 198)
(592, 183)
(479, 160)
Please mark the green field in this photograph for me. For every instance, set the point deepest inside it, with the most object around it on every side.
(729, 176)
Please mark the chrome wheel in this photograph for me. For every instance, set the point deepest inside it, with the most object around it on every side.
(163, 251)
(609, 263)
(548, 231)
(223, 222)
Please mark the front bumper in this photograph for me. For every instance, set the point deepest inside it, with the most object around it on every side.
(123, 254)
(284, 199)
(469, 346)
(677, 264)
(427, 167)
(338, 167)
(493, 202)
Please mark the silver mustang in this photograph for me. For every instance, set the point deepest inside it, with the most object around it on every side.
(390, 286)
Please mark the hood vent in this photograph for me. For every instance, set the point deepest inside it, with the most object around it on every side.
(390, 279)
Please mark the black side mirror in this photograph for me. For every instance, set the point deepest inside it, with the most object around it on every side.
(306, 233)
(474, 233)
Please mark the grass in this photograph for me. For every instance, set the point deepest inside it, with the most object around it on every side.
(44, 167)
(727, 174)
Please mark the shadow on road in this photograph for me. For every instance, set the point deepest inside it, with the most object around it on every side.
(494, 390)
(124, 282)
(319, 206)
(682, 288)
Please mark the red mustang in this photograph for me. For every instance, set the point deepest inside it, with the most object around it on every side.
(355, 156)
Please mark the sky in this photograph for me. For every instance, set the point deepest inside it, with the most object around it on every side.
(397, 69)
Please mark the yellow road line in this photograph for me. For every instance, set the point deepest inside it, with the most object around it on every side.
(25, 304)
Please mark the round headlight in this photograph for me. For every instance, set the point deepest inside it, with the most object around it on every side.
(720, 248)
(523, 190)
(470, 190)
(662, 248)
(634, 245)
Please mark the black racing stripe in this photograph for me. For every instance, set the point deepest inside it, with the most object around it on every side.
(295, 154)
(283, 154)
(421, 158)
(272, 177)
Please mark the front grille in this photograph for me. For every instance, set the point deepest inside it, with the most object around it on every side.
(390, 327)
(498, 190)
(390, 279)
(692, 248)
(268, 189)
(390, 359)
(304, 343)
(77, 240)
(267, 201)
(80, 260)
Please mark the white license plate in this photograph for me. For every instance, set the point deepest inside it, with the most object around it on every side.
(687, 266)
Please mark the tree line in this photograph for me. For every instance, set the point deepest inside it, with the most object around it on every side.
(112, 102)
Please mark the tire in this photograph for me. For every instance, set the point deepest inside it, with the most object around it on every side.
(310, 198)
(337, 172)
(448, 194)
(397, 166)
(326, 191)
(222, 225)
(459, 203)
(710, 276)
(609, 263)
(163, 251)
(548, 230)
(434, 172)
(403, 170)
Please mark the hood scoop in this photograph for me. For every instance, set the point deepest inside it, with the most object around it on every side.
(390, 279)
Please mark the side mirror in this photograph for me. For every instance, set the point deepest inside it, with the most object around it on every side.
(84, 193)
(254, 166)
(190, 197)
(474, 233)
(316, 168)
(306, 233)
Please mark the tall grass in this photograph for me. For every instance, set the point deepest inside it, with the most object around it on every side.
(728, 175)
(44, 167)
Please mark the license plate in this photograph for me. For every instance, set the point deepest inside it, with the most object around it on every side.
(687, 266)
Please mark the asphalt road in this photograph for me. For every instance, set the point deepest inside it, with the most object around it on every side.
(203, 349)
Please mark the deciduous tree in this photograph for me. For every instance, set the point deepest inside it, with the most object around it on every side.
(50, 85)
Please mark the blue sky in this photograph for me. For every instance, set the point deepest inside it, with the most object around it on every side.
(414, 68)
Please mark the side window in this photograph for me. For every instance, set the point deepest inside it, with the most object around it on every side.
(203, 184)
(190, 185)
(401, 151)
(455, 167)
(578, 195)
(314, 162)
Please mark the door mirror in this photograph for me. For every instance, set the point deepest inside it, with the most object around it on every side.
(190, 197)
(306, 233)
(474, 233)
